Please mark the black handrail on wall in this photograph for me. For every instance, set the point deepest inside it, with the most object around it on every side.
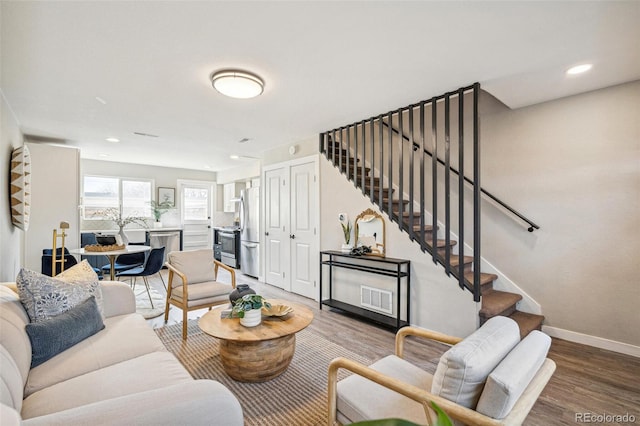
(532, 226)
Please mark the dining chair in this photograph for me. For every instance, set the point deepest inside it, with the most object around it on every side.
(125, 262)
(193, 282)
(152, 266)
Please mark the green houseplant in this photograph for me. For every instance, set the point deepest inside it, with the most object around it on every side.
(158, 209)
(249, 309)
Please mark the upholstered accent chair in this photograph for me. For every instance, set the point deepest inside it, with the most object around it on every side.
(489, 378)
(193, 282)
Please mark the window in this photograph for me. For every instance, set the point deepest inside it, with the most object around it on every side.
(102, 192)
(196, 203)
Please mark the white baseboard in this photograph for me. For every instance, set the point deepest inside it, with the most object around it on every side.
(598, 342)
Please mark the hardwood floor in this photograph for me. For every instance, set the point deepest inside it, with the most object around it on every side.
(587, 381)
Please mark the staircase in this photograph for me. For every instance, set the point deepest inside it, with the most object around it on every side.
(353, 150)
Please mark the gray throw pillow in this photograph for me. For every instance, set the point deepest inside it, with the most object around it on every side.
(44, 297)
(57, 334)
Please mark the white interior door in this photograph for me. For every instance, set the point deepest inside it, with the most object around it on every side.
(291, 226)
(196, 203)
(304, 210)
(276, 227)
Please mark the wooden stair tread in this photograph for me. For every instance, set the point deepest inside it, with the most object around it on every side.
(527, 322)
(454, 260)
(484, 278)
(441, 243)
(427, 228)
(496, 302)
(385, 200)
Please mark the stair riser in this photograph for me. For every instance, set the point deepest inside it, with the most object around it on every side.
(505, 313)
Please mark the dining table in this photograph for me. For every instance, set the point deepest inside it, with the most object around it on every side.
(112, 255)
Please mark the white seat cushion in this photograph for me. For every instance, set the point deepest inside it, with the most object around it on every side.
(130, 334)
(202, 291)
(463, 369)
(510, 378)
(361, 399)
(151, 371)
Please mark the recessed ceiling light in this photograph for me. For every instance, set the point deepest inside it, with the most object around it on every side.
(102, 101)
(237, 84)
(579, 69)
(114, 140)
(234, 156)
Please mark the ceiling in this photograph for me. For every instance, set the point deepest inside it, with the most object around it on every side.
(324, 63)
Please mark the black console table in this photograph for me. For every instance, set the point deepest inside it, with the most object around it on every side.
(386, 266)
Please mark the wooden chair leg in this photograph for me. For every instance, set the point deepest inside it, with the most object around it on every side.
(184, 323)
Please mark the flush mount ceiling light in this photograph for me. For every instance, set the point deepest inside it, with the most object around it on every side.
(237, 84)
(113, 140)
(579, 69)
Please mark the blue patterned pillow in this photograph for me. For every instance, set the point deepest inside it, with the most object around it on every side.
(44, 297)
(50, 337)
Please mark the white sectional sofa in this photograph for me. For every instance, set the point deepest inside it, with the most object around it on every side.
(120, 375)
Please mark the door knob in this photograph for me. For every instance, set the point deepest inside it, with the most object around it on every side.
(266, 234)
(292, 236)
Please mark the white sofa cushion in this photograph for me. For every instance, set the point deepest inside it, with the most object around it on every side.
(13, 319)
(197, 265)
(146, 372)
(463, 369)
(194, 403)
(361, 399)
(510, 378)
(124, 337)
(10, 381)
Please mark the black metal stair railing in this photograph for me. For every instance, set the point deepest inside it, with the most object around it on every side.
(352, 159)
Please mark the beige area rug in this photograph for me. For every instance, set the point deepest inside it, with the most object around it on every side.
(143, 306)
(298, 397)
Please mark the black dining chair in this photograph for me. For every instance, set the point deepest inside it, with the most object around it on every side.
(152, 266)
(125, 262)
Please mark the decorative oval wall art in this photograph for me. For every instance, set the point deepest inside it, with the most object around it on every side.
(20, 187)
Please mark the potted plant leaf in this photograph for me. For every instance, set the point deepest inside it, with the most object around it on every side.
(249, 309)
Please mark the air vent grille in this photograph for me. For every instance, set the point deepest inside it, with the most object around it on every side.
(376, 299)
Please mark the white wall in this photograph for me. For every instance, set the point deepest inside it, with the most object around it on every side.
(11, 238)
(573, 166)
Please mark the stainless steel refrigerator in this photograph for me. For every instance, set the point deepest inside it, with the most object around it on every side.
(249, 231)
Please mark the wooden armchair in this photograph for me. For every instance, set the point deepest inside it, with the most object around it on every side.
(197, 286)
(489, 378)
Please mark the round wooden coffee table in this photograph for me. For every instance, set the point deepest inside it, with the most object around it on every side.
(260, 353)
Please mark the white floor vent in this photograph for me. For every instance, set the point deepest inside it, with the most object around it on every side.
(374, 298)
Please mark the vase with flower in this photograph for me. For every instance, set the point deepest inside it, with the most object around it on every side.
(346, 231)
(115, 215)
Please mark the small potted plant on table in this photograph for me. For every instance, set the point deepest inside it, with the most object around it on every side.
(158, 209)
(249, 309)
